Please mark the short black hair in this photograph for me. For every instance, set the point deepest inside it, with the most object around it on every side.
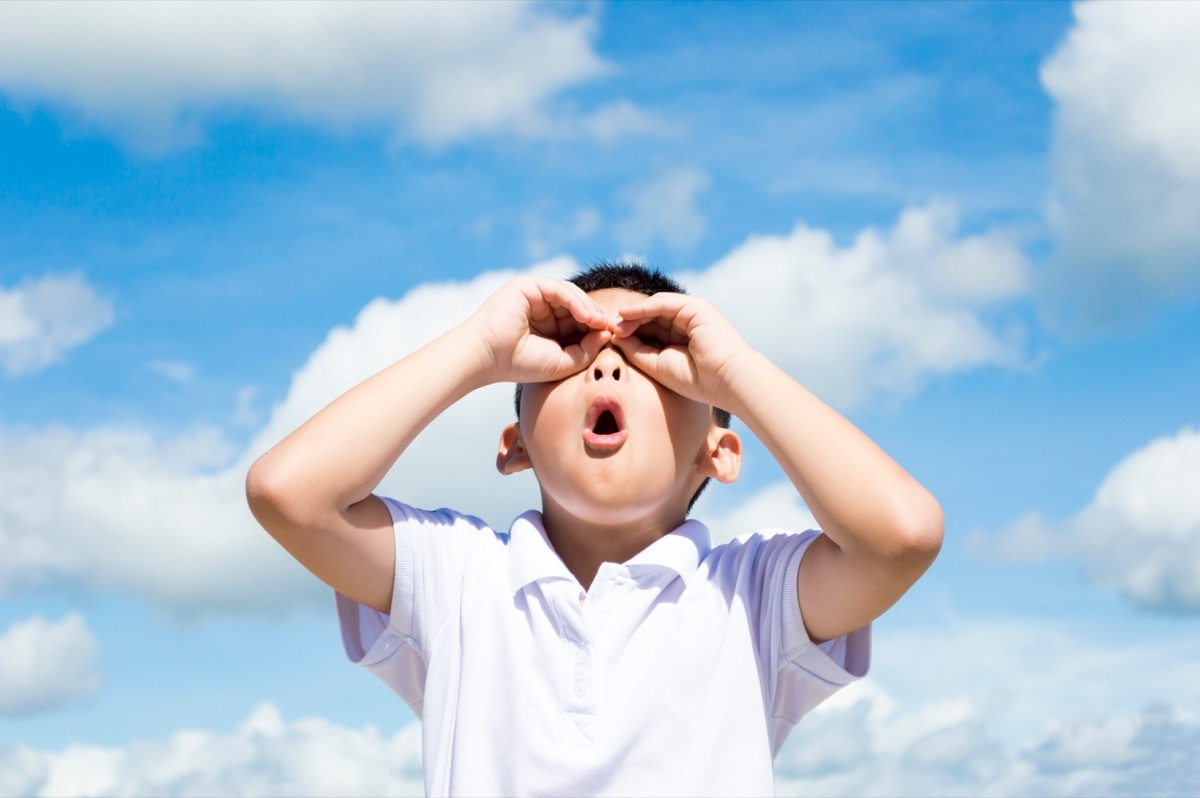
(631, 275)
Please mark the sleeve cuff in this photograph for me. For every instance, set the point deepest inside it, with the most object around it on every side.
(362, 627)
(839, 661)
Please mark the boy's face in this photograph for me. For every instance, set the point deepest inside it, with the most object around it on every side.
(608, 444)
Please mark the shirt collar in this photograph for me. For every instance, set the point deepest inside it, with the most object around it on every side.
(531, 558)
(530, 555)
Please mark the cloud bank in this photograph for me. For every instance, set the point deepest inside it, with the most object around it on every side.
(1139, 535)
(262, 756)
(867, 749)
(664, 208)
(116, 509)
(43, 319)
(1126, 169)
(46, 664)
(1005, 707)
(152, 74)
(776, 506)
(878, 317)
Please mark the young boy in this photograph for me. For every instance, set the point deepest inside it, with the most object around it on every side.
(602, 645)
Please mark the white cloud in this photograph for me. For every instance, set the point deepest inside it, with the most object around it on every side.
(428, 71)
(1005, 707)
(165, 521)
(1126, 168)
(41, 320)
(263, 756)
(1150, 753)
(173, 370)
(546, 236)
(620, 118)
(1140, 534)
(244, 414)
(665, 209)
(776, 506)
(1021, 673)
(45, 664)
(118, 510)
(878, 316)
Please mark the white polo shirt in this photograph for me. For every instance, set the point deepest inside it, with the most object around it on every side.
(680, 672)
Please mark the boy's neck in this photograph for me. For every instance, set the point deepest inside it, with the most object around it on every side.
(583, 545)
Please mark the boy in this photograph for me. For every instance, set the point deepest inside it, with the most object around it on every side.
(603, 645)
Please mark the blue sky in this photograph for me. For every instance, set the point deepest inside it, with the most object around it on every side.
(974, 228)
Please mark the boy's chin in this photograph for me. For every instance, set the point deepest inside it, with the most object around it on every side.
(620, 511)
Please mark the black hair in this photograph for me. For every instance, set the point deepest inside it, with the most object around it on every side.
(631, 276)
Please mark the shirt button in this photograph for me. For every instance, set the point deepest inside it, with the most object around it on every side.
(581, 655)
(580, 689)
(388, 646)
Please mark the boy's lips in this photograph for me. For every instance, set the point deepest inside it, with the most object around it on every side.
(604, 425)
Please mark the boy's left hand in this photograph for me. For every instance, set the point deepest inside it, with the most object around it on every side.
(682, 342)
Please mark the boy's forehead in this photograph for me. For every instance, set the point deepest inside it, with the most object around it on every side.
(613, 299)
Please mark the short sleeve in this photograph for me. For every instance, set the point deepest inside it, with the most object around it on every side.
(806, 673)
(432, 553)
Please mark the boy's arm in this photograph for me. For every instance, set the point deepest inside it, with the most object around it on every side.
(882, 528)
(312, 491)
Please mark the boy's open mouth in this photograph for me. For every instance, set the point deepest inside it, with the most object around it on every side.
(604, 427)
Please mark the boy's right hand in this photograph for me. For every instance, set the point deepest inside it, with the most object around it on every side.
(536, 329)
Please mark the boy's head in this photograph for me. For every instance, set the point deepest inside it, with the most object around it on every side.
(609, 441)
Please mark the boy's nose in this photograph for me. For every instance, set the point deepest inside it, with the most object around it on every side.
(608, 365)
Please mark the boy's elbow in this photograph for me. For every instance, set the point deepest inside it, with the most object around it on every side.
(271, 496)
(919, 532)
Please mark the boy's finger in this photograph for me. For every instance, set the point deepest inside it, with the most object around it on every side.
(571, 297)
(664, 305)
(626, 327)
(670, 367)
(657, 331)
(639, 353)
(583, 353)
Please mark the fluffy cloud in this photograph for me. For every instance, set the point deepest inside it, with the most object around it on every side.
(1008, 707)
(1140, 534)
(262, 756)
(1126, 168)
(664, 209)
(115, 509)
(148, 73)
(776, 506)
(546, 235)
(119, 510)
(847, 752)
(45, 664)
(174, 370)
(41, 320)
(878, 316)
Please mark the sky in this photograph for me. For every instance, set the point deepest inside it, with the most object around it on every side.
(973, 228)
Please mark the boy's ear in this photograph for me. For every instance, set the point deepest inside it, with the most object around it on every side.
(512, 456)
(721, 458)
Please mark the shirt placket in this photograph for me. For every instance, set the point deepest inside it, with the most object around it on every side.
(580, 694)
